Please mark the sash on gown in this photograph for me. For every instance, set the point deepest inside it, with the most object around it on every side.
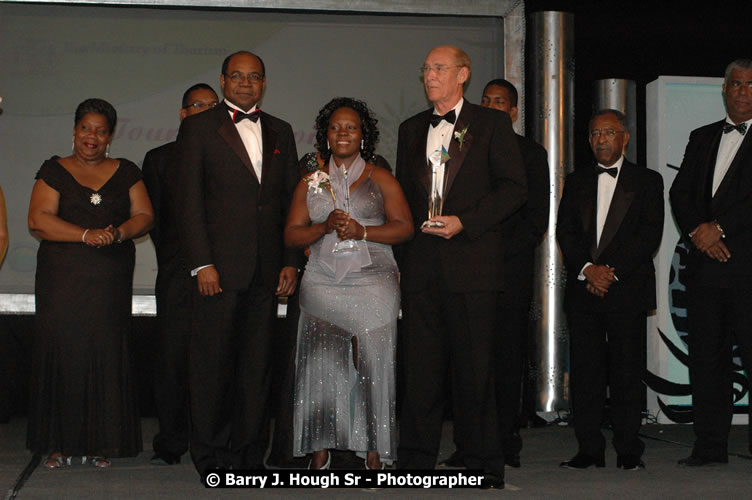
(342, 263)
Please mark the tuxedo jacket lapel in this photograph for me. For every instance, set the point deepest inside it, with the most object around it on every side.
(268, 139)
(623, 196)
(712, 155)
(230, 134)
(588, 201)
(422, 169)
(458, 152)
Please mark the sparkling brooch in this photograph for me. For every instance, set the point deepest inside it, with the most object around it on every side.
(95, 198)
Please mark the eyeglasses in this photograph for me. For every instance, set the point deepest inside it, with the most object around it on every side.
(238, 77)
(736, 84)
(201, 105)
(608, 132)
(440, 69)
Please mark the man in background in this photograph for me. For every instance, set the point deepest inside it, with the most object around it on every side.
(173, 291)
(522, 233)
(712, 201)
(609, 226)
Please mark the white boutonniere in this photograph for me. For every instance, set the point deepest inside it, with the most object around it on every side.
(318, 181)
(460, 135)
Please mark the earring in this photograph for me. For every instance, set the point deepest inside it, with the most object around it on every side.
(328, 147)
(73, 145)
(107, 152)
(361, 144)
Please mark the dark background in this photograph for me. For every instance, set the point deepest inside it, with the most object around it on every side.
(641, 40)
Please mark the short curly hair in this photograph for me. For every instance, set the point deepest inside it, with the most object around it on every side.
(100, 107)
(367, 126)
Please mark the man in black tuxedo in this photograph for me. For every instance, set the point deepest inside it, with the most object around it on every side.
(174, 290)
(610, 224)
(451, 275)
(234, 174)
(522, 233)
(712, 201)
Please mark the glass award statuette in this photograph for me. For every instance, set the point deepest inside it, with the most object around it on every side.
(346, 245)
(439, 172)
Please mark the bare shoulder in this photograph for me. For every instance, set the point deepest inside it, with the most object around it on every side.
(384, 179)
(381, 174)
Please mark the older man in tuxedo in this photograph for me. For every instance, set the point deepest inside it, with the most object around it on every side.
(174, 291)
(610, 224)
(711, 198)
(235, 171)
(452, 272)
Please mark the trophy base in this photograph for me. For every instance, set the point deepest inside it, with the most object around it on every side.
(433, 223)
(345, 246)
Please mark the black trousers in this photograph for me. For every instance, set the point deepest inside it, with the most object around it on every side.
(717, 318)
(174, 293)
(230, 377)
(606, 348)
(449, 334)
(510, 365)
(171, 396)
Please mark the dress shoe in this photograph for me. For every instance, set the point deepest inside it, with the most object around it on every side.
(629, 462)
(535, 422)
(326, 464)
(456, 460)
(512, 461)
(492, 482)
(582, 461)
(695, 461)
(162, 458)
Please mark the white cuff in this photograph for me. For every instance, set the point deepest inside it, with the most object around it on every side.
(581, 276)
(194, 272)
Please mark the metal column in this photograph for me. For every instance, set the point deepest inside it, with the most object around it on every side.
(550, 122)
(621, 95)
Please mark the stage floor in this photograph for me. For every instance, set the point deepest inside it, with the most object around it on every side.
(539, 477)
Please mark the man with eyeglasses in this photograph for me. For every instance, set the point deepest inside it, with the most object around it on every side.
(712, 201)
(610, 223)
(451, 272)
(234, 175)
(173, 292)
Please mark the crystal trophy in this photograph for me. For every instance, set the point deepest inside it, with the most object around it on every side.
(346, 245)
(438, 160)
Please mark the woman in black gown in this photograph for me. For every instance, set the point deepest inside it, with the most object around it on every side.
(86, 208)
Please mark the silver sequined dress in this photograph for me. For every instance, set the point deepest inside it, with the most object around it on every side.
(339, 405)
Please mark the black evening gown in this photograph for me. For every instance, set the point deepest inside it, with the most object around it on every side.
(82, 392)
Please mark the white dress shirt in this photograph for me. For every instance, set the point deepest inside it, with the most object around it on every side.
(606, 188)
(438, 136)
(250, 134)
(726, 151)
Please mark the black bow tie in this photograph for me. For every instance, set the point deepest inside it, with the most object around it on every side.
(238, 116)
(728, 127)
(449, 117)
(613, 171)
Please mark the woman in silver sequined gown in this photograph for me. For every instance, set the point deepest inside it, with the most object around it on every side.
(349, 300)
